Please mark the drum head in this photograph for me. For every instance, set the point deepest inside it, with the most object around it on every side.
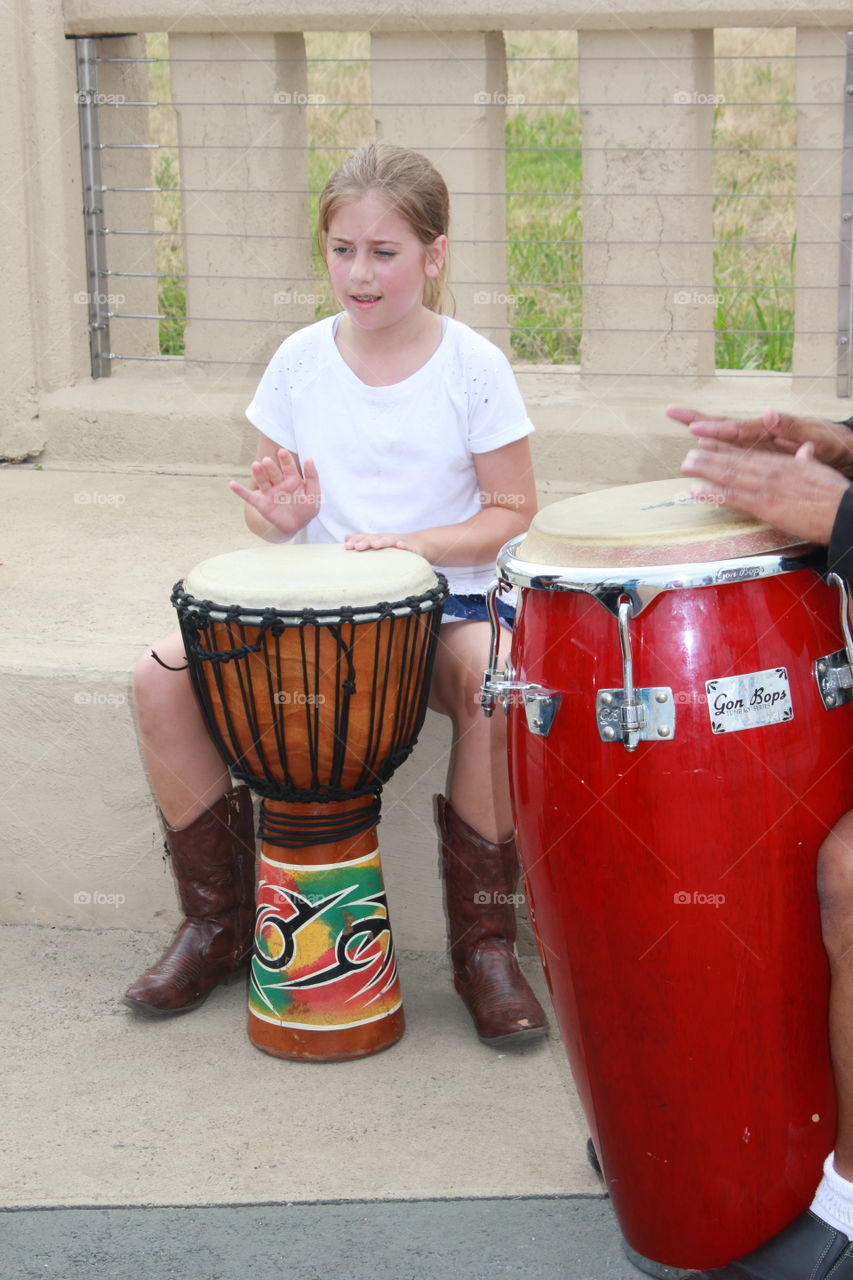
(293, 576)
(657, 523)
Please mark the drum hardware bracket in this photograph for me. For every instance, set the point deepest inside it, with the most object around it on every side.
(834, 672)
(540, 705)
(835, 679)
(629, 715)
(648, 716)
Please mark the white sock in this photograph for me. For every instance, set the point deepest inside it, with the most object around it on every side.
(833, 1200)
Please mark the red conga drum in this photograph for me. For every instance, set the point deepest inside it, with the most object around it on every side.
(311, 665)
(680, 744)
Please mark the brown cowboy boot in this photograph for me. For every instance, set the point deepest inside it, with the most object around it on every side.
(480, 879)
(214, 864)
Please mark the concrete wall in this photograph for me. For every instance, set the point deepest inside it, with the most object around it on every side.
(87, 16)
(43, 338)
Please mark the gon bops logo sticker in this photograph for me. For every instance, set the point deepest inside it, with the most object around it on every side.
(323, 956)
(749, 701)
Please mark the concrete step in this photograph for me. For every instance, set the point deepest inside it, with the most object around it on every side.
(88, 571)
(88, 566)
(131, 492)
(589, 434)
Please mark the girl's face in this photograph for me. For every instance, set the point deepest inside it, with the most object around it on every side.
(377, 265)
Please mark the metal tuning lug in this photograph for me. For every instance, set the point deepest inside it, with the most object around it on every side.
(630, 715)
(499, 685)
(834, 672)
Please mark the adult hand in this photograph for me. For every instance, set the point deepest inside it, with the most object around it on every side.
(778, 432)
(286, 497)
(795, 494)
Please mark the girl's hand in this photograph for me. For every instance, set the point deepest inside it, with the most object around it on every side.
(779, 432)
(415, 542)
(284, 496)
(797, 495)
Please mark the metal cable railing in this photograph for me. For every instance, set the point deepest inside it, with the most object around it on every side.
(752, 293)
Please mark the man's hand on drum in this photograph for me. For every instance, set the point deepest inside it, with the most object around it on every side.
(795, 494)
(284, 496)
(779, 432)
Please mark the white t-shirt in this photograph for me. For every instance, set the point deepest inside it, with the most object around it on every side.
(396, 458)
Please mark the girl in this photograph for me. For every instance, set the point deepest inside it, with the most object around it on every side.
(386, 425)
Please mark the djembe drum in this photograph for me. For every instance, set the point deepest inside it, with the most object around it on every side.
(679, 741)
(311, 665)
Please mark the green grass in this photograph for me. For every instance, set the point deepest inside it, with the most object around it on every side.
(755, 190)
(754, 315)
(544, 255)
(321, 165)
(172, 296)
(173, 307)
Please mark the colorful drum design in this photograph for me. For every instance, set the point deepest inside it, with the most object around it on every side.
(680, 744)
(312, 665)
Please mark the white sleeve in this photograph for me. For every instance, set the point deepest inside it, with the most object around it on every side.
(270, 410)
(497, 415)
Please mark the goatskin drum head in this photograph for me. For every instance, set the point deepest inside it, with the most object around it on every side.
(293, 576)
(657, 523)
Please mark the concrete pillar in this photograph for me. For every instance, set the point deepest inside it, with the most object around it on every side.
(647, 109)
(43, 337)
(240, 102)
(19, 432)
(121, 84)
(820, 115)
(444, 94)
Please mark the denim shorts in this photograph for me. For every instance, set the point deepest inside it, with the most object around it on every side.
(474, 608)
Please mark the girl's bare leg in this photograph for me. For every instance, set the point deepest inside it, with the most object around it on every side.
(835, 884)
(186, 772)
(478, 782)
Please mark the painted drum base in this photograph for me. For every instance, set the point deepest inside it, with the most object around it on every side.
(323, 980)
(312, 1046)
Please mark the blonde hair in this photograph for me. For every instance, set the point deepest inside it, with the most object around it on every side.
(412, 186)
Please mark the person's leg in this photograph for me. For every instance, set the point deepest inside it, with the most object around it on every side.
(186, 772)
(835, 888)
(478, 780)
(209, 829)
(478, 850)
(818, 1243)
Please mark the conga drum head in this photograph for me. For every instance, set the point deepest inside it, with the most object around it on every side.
(657, 523)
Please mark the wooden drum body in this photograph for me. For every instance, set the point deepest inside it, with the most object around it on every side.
(311, 665)
(668, 836)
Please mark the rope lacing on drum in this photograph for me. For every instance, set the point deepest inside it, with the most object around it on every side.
(280, 712)
(295, 830)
